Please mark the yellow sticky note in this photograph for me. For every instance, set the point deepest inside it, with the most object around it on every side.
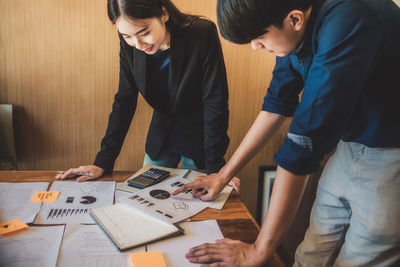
(45, 196)
(12, 226)
(146, 259)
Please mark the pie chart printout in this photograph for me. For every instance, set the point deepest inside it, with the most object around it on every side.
(87, 200)
(160, 194)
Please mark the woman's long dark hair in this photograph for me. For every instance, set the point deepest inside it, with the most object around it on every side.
(144, 9)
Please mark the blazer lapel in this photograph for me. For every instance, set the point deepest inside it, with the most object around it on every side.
(176, 65)
(139, 69)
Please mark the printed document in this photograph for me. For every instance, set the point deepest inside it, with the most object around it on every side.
(75, 201)
(157, 201)
(36, 246)
(89, 246)
(196, 233)
(190, 175)
(15, 201)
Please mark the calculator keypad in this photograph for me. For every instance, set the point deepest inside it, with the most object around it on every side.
(154, 173)
(152, 176)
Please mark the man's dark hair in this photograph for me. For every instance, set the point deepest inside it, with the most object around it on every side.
(241, 21)
(144, 9)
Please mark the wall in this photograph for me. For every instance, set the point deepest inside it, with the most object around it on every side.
(59, 68)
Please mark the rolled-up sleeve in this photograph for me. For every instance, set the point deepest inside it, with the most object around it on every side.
(283, 93)
(346, 43)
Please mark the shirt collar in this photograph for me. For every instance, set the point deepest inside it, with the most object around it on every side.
(309, 28)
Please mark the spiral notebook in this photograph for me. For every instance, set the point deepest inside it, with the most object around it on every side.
(130, 227)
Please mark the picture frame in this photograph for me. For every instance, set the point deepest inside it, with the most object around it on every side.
(266, 178)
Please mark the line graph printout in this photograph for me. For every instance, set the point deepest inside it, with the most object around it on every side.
(89, 246)
(75, 201)
(36, 246)
(15, 201)
(158, 201)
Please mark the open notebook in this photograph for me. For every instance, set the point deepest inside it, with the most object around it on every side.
(148, 215)
(129, 227)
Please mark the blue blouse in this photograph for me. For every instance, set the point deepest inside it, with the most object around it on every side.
(158, 81)
(158, 74)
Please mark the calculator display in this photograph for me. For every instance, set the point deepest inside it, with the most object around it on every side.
(142, 181)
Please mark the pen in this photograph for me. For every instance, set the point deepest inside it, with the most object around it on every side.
(187, 173)
(78, 173)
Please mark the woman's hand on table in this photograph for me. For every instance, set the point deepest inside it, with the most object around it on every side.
(84, 172)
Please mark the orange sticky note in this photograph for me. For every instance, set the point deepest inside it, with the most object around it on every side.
(146, 259)
(45, 196)
(12, 226)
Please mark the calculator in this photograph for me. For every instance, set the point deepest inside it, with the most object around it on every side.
(148, 178)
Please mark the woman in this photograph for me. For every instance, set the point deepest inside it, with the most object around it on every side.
(175, 61)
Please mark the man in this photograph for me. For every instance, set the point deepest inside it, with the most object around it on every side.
(344, 56)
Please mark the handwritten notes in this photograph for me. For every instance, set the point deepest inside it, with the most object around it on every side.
(45, 196)
(12, 226)
(145, 259)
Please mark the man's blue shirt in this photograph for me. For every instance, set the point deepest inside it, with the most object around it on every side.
(347, 68)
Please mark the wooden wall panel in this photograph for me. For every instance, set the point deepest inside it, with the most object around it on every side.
(59, 68)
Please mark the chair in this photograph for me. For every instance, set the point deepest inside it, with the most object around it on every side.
(8, 155)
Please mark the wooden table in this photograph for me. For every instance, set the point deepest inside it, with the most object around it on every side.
(234, 220)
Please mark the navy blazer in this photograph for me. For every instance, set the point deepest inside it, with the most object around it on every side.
(198, 104)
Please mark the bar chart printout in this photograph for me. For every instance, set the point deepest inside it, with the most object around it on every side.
(75, 201)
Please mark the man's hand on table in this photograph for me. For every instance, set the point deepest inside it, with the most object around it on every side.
(235, 183)
(208, 187)
(227, 252)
